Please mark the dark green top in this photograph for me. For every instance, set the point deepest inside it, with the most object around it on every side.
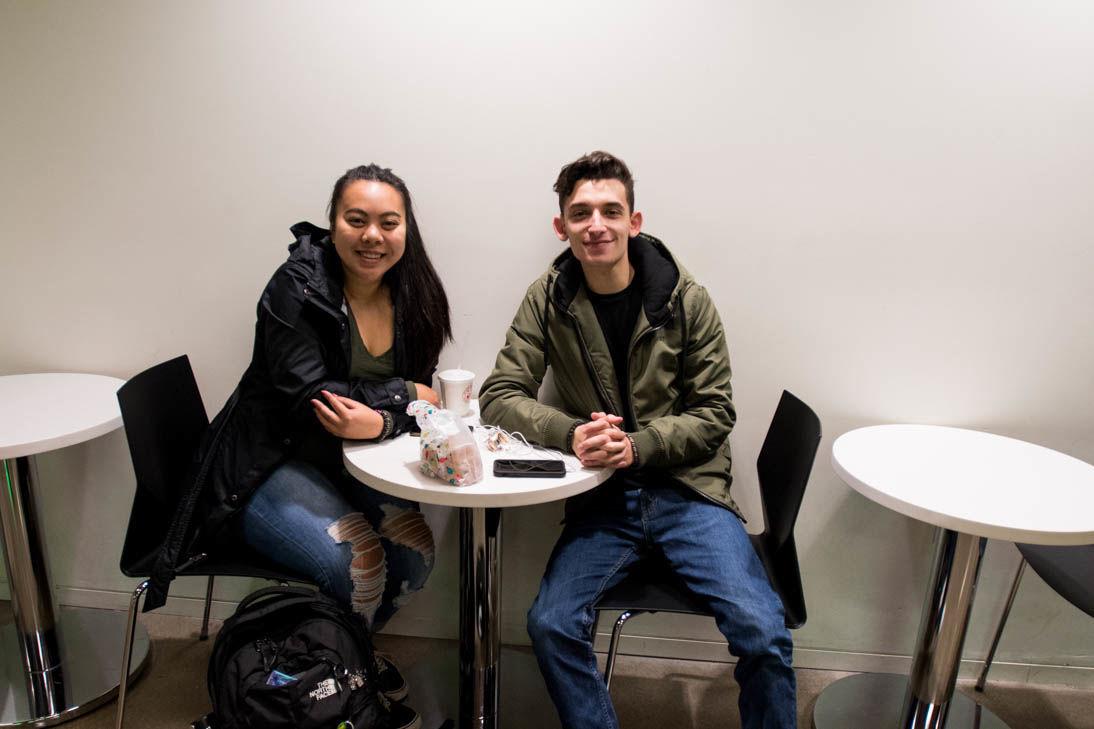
(364, 366)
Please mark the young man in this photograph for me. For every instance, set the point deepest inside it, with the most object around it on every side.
(640, 363)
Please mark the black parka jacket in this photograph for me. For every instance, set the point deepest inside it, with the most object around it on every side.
(301, 346)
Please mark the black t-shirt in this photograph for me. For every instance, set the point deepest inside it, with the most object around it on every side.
(617, 314)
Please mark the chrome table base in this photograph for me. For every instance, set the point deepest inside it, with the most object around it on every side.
(925, 699)
(55, 666)
(85, 677)
(480, 609)
(875, 701)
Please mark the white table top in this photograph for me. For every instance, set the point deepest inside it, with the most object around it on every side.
(42, 412)
(973, 482)
(392, 467)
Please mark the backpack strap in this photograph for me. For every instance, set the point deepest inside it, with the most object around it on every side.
(275, 590)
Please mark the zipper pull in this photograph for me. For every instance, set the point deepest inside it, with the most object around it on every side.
(339, 674)
(267, 651)
(260, 649)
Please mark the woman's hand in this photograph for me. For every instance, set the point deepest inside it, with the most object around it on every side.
(425, 392)
(348, 418)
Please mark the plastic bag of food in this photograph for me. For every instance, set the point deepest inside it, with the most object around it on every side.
(448, 450)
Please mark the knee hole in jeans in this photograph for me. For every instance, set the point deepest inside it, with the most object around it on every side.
(407, 527)
(367, 566)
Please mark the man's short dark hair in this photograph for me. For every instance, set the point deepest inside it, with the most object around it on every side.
(597, 165)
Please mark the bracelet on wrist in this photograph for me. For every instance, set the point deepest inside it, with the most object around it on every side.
(389, 424)
(570, 436)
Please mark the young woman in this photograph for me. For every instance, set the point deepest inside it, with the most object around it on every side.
(349, 331)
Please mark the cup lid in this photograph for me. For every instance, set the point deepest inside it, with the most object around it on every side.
(456, 375)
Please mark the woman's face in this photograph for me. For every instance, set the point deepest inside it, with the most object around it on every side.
(369, 229)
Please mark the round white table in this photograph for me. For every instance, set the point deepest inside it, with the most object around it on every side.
(973, 486)
(393, 468)
(57, 664)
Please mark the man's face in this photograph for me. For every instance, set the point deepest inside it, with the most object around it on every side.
(597, 222)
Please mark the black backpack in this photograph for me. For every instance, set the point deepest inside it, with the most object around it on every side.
(293, 658)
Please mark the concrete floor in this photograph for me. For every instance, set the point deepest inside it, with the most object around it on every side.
(649, 693)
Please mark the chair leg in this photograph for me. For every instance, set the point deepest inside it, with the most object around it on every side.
(1002, 622)
(204, 635)
(127, 651)
(613, 646)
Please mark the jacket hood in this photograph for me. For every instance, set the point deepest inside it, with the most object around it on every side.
(312, 256)
(661, 276)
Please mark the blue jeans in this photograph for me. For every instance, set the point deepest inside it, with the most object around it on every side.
(707, 547)
(368, 550)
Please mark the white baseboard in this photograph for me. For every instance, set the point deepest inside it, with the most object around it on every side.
(1081, 677)
(191, 607)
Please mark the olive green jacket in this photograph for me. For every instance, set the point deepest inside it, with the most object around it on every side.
(679, 370)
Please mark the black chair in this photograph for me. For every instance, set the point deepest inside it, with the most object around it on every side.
(783, 466)
(1067, 570)
(164, 420)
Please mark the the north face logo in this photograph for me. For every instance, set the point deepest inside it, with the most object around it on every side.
(324, 690)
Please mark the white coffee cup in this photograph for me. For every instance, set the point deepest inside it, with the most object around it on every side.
(456, 390)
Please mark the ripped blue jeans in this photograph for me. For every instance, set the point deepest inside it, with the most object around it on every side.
(366, 549)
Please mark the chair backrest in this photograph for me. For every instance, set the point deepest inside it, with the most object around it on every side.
(164, 420)
(784, 464)
(1067, 570)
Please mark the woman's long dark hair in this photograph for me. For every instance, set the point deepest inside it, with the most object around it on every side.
(421, 306)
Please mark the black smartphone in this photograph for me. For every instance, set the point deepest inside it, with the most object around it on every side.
(529, 468)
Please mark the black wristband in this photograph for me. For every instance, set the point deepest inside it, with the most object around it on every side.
(570, 436)
(634, 451)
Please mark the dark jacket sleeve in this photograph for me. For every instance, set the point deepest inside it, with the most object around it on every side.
(303, 354)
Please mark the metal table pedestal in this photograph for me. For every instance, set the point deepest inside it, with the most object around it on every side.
(875, 700)
(925, 699)
(55, 665)
(480, 608)
(85, 678)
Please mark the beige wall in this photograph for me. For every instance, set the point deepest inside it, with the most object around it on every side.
(889, 201)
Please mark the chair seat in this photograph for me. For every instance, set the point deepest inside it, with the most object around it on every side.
(1067, 570)
(242, 562)
(249, 566)
(651, 588)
